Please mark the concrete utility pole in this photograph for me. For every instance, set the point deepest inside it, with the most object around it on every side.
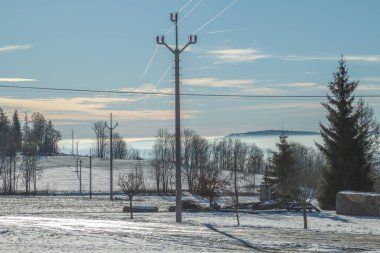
(80, 176)
(72, 142)
(76, 156)
(111, 128)
(90, 174)
(177, 52)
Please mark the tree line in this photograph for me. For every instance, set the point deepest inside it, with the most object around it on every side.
(21, 146)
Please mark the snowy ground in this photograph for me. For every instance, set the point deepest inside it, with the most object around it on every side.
(59, 175)
(78, 224)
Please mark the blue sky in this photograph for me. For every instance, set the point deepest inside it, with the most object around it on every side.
(253, 47)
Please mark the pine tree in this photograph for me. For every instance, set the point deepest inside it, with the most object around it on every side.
(344, 142)
(283, 175)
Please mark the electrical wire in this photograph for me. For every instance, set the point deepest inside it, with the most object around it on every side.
(172, 94)
(215, 17)
(183, 7)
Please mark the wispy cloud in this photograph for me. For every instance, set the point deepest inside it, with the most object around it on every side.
(148, 87)
(356, 58)
(11, 48)
(262, 91)
(304, 105)
(222, 31)
(87, 109)
(368, 87)
(251, 54)
(215, 82)
(370, 79)
(302, 85)
(16, 79)
(238, 55)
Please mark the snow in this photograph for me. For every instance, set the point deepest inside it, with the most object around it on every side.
(72, 222)
(373, 194)
(77, 224)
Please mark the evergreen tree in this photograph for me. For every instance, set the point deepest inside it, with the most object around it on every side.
(16, 133)
(368, 144)
(4, 133)
(345, 142)
(283, 174)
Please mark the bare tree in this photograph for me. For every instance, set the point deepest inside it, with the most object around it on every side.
(101, 138)
(210, 183)
(119, 148)
(309, 163)
(255, 164)
(131, 184)
(196, 157)
(163, 159)
(236, 165)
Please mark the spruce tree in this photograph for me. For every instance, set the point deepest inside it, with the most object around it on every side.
(344, 141)
(16, 132)
(368, 144)
(283, 175)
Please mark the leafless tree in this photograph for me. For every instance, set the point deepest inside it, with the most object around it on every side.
(119, 147)
(163, 159)
(196, 157)
(101, 138)
(255, 164)
(309, 163)
(211, 183)
(131, 184)
(236, 164)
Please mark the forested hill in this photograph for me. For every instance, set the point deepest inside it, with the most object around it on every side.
(271, 133)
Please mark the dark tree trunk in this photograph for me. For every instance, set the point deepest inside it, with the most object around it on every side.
(130, 206)
(304, 217)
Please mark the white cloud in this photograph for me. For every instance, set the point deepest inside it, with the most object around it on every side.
(16, 79)
(215, 82)
(250, 54)
(238, 55)
(368, 87)
(149, 88)
(222, 31)
(371, 79)
(265, 91)
(302, 85)
(358, 58)
(11, 48)
(305, 105)
(87, 109)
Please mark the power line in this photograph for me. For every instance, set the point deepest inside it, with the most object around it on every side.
(183, 7)
(172, 94)
(215, 17)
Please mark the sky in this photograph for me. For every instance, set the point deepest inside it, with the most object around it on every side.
(248, 47)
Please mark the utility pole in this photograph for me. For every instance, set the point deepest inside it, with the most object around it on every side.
(177, 52)
(111, 128)
(80, 176)
(90, 174)
(72, 142)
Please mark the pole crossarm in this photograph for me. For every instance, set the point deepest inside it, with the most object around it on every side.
(176, 51)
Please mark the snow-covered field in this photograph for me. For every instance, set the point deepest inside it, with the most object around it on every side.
(78, 224)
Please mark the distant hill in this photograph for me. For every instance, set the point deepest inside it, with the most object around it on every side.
(271, 133)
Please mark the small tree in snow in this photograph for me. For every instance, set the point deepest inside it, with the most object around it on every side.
(131, 184)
